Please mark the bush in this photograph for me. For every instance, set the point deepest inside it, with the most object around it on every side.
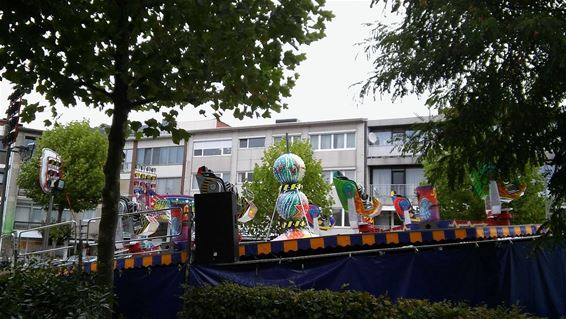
(41, 292)
(233, 301)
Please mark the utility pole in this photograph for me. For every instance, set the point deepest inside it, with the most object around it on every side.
(11, 129)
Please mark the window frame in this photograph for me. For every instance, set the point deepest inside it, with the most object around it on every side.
(317, 136)
(248, 138)
(222, 147)
(330, 173)
(293, 137)
(246, 178)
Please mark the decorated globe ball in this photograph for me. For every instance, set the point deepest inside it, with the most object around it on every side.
(314, 212)
(289, 169)
(292, 205)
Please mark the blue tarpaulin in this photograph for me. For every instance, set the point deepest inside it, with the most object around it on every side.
(492, 274)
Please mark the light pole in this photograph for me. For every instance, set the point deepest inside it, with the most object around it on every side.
(50, 180)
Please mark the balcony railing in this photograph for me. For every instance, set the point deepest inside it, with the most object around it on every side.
(383, 192)
(383, 150)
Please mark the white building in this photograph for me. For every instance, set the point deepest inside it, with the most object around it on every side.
(232, 152)
(364, 150)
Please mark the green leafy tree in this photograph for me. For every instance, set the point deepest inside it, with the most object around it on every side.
(265, 188)
(460, 203)
(83, 153)
(464, 203)
(531, 207)
(125, 56)
(496, 73)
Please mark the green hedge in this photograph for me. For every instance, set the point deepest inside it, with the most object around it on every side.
(48, 293)
(233, 301)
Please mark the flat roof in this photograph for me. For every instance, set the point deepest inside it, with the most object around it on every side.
(400, 121)
(266, 126)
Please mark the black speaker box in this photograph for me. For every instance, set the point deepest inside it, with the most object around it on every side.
(216, 235)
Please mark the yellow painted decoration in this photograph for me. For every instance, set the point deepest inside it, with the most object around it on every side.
(290, 245)
(460, 233)
(416, 237)
(368, 239)
(343, 240)
(317, 243)
(438, 235)
(392, 238)
(264, 248)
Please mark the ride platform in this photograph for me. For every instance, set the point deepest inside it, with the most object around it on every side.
(249, 251)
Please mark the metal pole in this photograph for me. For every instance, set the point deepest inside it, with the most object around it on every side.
(268, 234)
(47, 222)
(189, 244)
(5, 186)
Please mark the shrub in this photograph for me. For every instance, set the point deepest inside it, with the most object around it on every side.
(233, 301)
(41, 292)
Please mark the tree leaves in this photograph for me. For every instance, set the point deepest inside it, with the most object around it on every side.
(83, 153)
(499, 85)
(265, 187)
(119, 56)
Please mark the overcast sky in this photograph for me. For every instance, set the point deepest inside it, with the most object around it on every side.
(323, 91)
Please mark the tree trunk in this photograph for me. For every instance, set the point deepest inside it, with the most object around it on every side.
(116, 142)
(110, 197)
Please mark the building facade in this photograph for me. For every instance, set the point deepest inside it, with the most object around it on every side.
(365, 151)
(387, 168)
(20, 213)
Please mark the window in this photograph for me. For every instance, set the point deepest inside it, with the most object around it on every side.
(398, 137)
(350, 140)
(392, 137)
(326, 141)
(29, 140)
(127, 164)
(315, 142)
(226, 177)
(339, 141)
(292, 138)
(398, 181)
(341, 217)
(169, 185)
(212, 148)
(27, 214)
(245, 176)
(329, 175)
(144, 156)
(170, 155)
(383, 138)
(252, 142)
(333, 141)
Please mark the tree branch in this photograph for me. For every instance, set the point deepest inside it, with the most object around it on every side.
(95, 88)
(141, 102)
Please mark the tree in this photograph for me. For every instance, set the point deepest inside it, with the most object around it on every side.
(496, 73)
(464, 203)
(124, 56)
(83, 152)
(265, 188)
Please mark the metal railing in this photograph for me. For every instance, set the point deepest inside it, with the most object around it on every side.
(141, 239)
(77, 236)
(17, 236)
(383, 192)
(383, 151)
